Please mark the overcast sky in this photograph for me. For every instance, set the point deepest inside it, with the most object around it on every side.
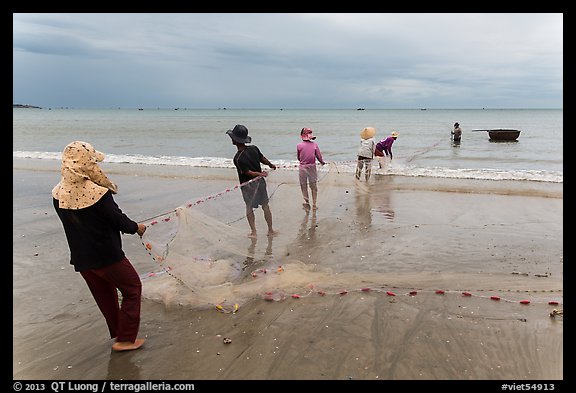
(288, 60)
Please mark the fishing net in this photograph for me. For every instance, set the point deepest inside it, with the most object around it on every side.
(206, 258)
(377, 234)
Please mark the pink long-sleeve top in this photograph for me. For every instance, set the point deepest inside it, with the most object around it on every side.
(308, 152)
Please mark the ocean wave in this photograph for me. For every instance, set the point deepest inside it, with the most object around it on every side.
(398, 169)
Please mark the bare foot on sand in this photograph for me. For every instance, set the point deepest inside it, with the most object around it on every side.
(272, 233)
(127, 345)
(306, 206)
(252, 235)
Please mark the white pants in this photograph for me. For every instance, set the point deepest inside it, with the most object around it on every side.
(383, 162)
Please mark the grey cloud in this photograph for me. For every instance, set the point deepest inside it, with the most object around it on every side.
(299, 60)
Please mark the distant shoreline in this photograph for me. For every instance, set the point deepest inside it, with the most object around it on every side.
(25, 106)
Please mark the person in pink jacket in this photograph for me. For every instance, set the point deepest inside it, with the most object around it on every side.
(308, 152)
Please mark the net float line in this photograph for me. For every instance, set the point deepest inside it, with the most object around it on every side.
(392, 291)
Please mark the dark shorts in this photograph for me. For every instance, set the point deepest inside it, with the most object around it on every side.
(255, 193)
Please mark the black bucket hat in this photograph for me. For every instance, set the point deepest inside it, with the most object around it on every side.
(239, 134)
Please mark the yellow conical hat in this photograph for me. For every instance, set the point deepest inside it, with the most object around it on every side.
(368, 132)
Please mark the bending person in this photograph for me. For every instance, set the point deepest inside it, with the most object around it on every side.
(384, 148)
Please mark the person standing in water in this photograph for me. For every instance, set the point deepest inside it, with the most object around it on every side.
(384, 148)
(456, 133)
(365, 153)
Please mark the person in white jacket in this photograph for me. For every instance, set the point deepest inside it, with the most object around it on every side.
(366, 152)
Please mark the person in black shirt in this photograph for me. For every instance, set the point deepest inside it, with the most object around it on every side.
(93, 223)
(252, 183)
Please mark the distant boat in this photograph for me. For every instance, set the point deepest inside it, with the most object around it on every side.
(502, 134)
(360, 109)
(422, 109)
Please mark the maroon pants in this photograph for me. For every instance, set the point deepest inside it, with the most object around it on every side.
(123, 319)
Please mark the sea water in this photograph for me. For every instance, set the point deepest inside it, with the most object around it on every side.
(197, 138)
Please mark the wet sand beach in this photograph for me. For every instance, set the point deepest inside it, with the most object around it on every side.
(419, 247)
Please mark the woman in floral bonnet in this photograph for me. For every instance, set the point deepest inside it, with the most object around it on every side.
(93, 224)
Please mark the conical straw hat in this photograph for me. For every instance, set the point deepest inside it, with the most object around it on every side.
(368, 132)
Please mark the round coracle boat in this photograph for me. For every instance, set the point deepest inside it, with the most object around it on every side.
(503, 134)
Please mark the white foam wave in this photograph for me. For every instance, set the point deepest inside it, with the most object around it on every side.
(343, 166)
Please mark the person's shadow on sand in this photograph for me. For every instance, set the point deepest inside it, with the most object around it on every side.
(251, 261)
(382, 198)
(307, 233)
(363, 207)
(122, 367)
